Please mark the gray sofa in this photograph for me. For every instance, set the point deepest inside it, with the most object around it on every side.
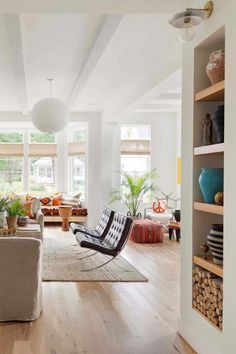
(20, 278)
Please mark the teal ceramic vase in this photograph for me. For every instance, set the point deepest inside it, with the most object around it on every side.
(211, 181)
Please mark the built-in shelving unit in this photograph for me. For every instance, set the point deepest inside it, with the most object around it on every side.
(209, 149)
(211, 93)
(208, 264)
(207, 275)
(209, 208)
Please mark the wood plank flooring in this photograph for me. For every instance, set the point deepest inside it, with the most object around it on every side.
(107, 318)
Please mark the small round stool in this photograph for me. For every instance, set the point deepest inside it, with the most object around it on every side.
(65, 212)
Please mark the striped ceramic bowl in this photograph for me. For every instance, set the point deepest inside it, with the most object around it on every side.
(215, 242)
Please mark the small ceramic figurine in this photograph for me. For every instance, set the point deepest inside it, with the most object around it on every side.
(205, 249)
(207, 130)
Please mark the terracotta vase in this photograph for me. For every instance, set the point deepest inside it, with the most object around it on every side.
(12, 222)
(215, 68)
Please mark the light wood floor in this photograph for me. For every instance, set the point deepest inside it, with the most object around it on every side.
(107, 318)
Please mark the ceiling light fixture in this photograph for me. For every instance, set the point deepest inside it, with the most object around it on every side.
(50, 115)
(187, 21)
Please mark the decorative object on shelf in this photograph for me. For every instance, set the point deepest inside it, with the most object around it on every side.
(207, 130)
(219, 198)
(211, 181)
(187, 20)
(215, 68)
(218, 123)
(215, 242)
(133, 190)
(205, 249)
(23, 220)
(3, 204)
(208, 287)
(50, 115)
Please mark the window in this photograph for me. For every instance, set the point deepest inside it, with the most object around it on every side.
(135, 132)
(11, 174)
(77, 160)
(11, 137)
(39, 137)
(135, 165)
(42, 174)
(78, 175)
(135, 150)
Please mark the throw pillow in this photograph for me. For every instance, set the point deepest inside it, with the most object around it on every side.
(28, 209)
(46, 201)
(56, 201)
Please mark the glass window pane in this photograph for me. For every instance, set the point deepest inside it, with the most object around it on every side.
(11, 137)
(135, 132)
(11, 174)
(135, 165)
(42, 175)
(39, 137)
(78, 175)
(78, 135)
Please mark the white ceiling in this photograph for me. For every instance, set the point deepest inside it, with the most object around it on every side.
(92, 58)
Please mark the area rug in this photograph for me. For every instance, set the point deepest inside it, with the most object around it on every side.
(62, 261)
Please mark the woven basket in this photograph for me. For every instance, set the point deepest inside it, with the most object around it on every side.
(7, 232)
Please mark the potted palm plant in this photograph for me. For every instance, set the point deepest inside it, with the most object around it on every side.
(133, 190)
(3, 204)
(14, 209)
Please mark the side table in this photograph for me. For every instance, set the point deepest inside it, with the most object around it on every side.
(65, 212)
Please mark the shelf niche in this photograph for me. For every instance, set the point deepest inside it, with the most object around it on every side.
(206, 98)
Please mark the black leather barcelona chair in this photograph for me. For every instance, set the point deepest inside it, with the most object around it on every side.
(114, 241)
(101, 228)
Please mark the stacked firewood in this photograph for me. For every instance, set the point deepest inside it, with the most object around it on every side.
(208, 295)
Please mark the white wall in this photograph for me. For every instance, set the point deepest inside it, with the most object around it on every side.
(165, 148)
(195, 329)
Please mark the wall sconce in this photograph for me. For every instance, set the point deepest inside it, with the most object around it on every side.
(187, 21)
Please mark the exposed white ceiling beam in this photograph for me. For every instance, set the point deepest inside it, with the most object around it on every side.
(160, 108)
(152, 85)
(160, 101)
(93, 7)
(109, 27)
(12, 24)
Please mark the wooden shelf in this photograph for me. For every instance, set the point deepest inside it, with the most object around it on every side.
(208, 264)
(209, 149)
(209, 208)
(212, 93)
(207, 319)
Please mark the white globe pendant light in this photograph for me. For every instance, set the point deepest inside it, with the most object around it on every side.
(50, 115)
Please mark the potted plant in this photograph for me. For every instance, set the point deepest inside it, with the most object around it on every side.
(133, 190)
(14, 209)
(3, 204)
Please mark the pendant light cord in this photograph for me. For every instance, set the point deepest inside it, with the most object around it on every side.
(50, 86)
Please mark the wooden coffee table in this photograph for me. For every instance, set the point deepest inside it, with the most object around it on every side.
(65, 212)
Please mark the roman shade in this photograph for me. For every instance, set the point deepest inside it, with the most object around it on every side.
(77, 148)
(11, 150)
(135, 147)
(41, 150)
